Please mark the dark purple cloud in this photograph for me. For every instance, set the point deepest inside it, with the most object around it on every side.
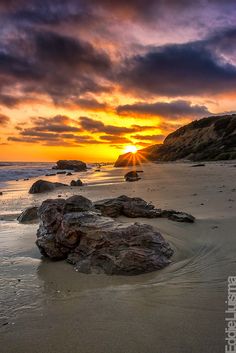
(172, 110)
(175, 70)
(61, 130)
(4, 120)
(98, 126)
(55, 48)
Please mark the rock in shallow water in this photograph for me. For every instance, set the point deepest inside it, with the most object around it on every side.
(71, 165)
(94, 243)
(28, 215)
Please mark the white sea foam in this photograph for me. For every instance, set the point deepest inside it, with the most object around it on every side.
(22, 170)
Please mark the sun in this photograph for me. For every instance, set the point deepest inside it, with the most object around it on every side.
(130, 149)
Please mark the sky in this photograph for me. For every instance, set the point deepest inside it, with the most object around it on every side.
(84, 79)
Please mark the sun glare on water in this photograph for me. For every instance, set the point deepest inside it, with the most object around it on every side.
(131, 149)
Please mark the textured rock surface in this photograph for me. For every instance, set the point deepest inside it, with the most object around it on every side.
(128, 206)
(132, 176)
(94, 243)
(177, 216)
(198, 165)
(212, 138)
(76, 183)
(134, 207)
(28, 215)
(71, 165)
(44, 186)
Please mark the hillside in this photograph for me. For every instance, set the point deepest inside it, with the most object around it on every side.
(212, 138)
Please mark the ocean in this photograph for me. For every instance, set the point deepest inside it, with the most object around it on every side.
(22, 170)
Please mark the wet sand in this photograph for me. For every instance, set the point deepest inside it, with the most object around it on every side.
(49, 307)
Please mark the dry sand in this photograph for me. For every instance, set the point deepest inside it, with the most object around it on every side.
(48, 307)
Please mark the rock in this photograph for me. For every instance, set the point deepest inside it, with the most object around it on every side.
(198, 165)
(68, 174)
(71, 165)
(127, 206)
(50, 174)
(177, 216)
(28, 215)
(44, 186)
(134, 207)
(132, 176)
(76, 183)
(63, 172)
(1, 193)
(94, 243)
(120, 249)
(77, 203)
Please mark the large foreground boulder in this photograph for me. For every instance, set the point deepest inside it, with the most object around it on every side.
(44, 186)
(75, 165)
(74, 230)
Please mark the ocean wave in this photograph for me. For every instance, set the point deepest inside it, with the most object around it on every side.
(23, 170)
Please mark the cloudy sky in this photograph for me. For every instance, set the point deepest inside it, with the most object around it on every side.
(84, 78)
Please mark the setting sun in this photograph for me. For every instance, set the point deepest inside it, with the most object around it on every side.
(132, 149)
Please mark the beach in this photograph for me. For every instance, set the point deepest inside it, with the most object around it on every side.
(47, 306)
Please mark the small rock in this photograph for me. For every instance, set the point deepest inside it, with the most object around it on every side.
(44, 186)
(177, 216)
(68, 174)
(132, 176)
(1, 193)
(214, 227)
(198, 165)
(28, 215)
(76, 183)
